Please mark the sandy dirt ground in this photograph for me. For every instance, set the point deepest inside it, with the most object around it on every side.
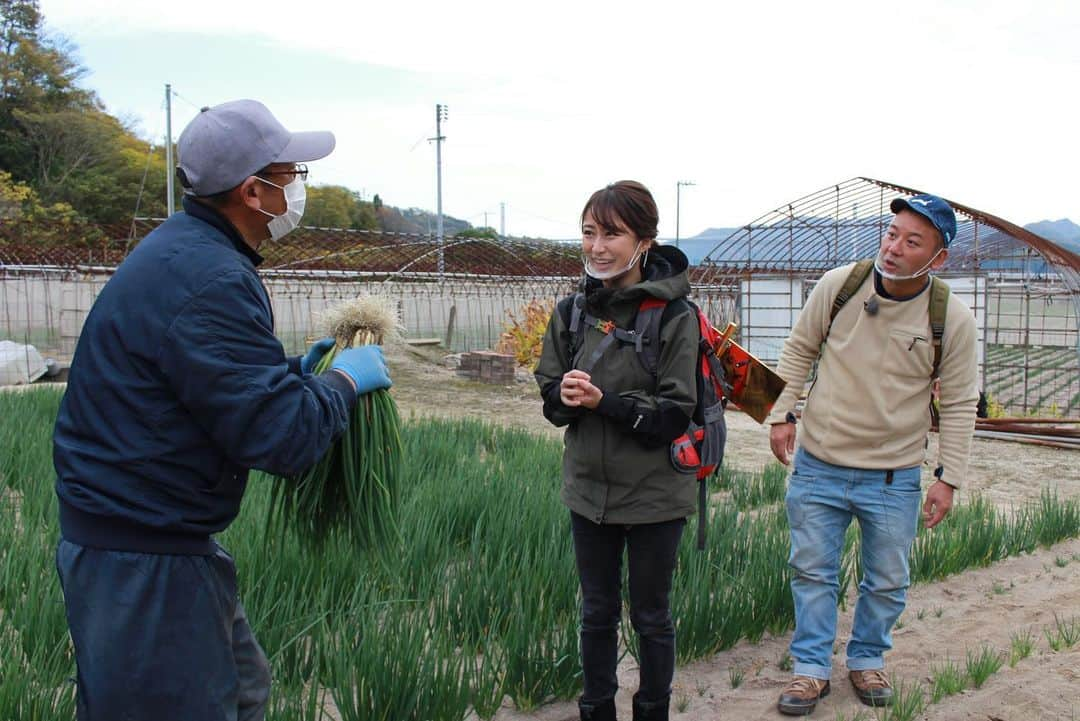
(942, 621)
(1005, 472)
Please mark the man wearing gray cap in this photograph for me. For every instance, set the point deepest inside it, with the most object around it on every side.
(881, 333)
(177, 388)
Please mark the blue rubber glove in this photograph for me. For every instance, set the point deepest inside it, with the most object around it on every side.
(366, 367)
(315, 354)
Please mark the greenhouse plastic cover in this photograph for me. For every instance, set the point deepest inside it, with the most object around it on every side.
(19, 364)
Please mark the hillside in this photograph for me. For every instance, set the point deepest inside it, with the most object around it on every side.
(415, 220)
(1064, 232)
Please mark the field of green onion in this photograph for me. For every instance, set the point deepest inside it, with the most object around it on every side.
(474, 601)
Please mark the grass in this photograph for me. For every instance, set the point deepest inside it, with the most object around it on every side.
(1021, 646)
(978, 535)
(1064, 634)
(753, 490)
(909, 701)
(1051, 377)
(478, 601)
(860, 715)
(682, 702)
(736, 676)
(946, 679)
(983, 664)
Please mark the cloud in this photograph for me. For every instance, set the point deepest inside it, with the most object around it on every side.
(758, 103)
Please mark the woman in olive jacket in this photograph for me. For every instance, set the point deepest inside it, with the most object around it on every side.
(618, 479)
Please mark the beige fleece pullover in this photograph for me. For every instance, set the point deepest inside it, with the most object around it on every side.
(869, 407)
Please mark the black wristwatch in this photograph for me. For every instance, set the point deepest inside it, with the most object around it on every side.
(790, 417)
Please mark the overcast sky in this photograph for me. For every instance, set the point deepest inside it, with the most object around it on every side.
(757, 103)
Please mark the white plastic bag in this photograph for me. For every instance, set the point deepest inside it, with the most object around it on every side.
(19, 364)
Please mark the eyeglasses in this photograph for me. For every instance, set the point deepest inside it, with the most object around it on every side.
(300, 171)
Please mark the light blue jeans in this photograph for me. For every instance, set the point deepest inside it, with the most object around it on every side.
(821, 501)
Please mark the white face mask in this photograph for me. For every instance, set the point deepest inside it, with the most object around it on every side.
(609, 274)
(295, 200)
(892, 276)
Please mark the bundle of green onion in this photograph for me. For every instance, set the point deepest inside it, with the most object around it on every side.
(355, 486)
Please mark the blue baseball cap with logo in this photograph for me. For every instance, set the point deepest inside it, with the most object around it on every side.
(937, 211)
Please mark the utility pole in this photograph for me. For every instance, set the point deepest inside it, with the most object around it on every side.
(485, 219)
(170, 171)
(678, 187)
(502, 220)
(440, 116)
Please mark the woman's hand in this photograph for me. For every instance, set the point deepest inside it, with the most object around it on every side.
(577, 390)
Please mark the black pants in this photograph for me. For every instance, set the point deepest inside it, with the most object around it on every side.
(652, 549)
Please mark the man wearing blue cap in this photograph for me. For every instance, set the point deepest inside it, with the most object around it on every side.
(881, 332)
(177, 388)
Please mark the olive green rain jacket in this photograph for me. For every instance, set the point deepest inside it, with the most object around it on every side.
(617, 464)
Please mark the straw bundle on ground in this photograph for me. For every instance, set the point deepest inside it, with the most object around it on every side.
(355, 487)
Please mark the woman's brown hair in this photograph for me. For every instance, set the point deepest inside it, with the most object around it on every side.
(627, 203)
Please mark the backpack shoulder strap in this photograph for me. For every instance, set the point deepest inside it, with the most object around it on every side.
(571, 310)
(855, 279)
(852, 283)
(647, 324)
(939, 304)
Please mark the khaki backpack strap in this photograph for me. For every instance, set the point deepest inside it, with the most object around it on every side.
(939, 303)
(852, 283)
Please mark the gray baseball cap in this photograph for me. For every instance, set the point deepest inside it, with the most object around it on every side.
(225, 144)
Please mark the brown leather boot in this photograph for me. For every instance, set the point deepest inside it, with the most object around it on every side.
(872, 687)
(801, 695)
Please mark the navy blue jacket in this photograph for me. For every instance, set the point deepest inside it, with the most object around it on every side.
(178, 387)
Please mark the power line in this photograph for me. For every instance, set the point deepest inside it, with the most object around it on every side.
(178, 96)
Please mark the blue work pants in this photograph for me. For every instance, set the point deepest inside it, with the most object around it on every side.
(160, 637)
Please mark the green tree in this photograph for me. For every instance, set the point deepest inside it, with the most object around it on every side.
(485, 232)
(364, 216)
(335, 206)
(328, 206)
(13, 196)
(26, 219)
(37, 75)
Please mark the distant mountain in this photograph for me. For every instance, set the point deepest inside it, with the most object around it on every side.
(698, 246)
(1064, 232)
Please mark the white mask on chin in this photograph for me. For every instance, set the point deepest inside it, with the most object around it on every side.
(892, 276)
(609, 274)
(295, 200)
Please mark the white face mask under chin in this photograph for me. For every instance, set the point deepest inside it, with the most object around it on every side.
(609, 274)
(892, 276)
(295, 200)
